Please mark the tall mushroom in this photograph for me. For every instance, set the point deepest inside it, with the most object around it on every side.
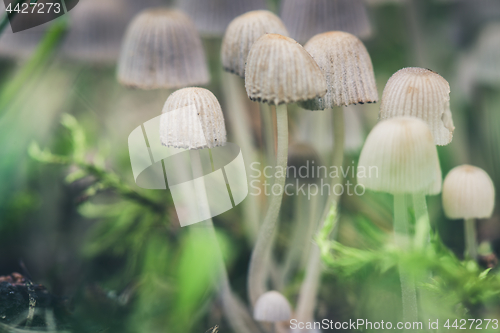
(278, 71)
(350, 80)
(399, 157)
(469, 194)
(192, 119)
(240, 35)
(424, 94)
(272, 307)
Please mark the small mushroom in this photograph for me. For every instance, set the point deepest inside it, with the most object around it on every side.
(469, 194)
(272, 307)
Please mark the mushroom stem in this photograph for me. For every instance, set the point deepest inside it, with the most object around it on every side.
(470, 239)
(309, 289)
(420, 206)
(268, 135)
(401, 234)
(235, 313)
(256, 274)
(238, 120)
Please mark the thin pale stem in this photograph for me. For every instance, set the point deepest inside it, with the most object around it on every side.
(401, 235)
(309, 288)
(234, 311)
(238, 120)
(266, 115)
(422, 233)
(297, 244)
(470, 239)
(256, 274)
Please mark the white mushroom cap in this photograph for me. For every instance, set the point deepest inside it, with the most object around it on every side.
(468, 192)
(399, 156)
(162, 49)
(272, 307)
(421, 93)
(305, 19)
(213, 16)
(242, 33)
(192, 119)
(279, 71)
(347, 67)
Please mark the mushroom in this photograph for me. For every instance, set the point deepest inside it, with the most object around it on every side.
(213, 16)
(399, 157)
(422, 93)
(304, 19)
(469, 194)
(161, 49)
(240, 35)
(278, 71)
(350, 80)
(192, 119)
(272, 307)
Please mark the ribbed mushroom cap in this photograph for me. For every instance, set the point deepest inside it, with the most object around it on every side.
(305, 19)
(192, 119)
(213, 16)
(272, 307)
(96, 30)
(347, 67)
(421, 93)
(242, 33)
(279, 70)
(487, 55)
(162, 49)
(468, 192)
(399, 156)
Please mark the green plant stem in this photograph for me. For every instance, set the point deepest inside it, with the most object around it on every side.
(256, 274)
(470, 239)
(309, 289)
(34, 65)
(401, 236)
(235, 314)
(238, 120)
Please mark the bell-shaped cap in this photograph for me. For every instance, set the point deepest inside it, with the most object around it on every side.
(162, 49)
(272, 307)
(305, 19)
(421, 93)
(399, 156)
(468, 192)
(242, 33)
(279, 71)
(192, 119)
(347, 67)
(213, 16)
(96, 30)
